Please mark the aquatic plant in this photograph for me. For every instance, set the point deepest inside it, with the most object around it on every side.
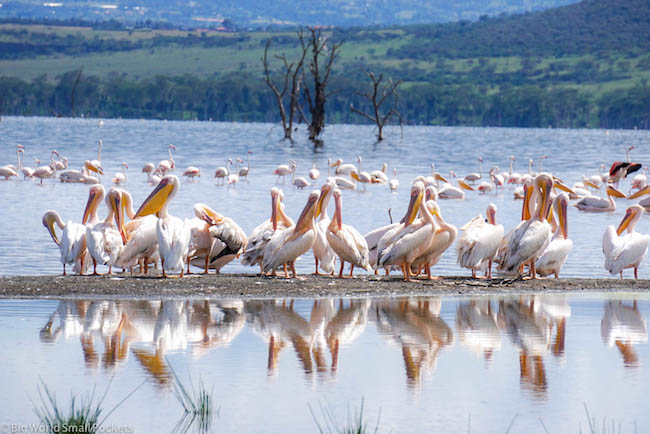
(353, 425)
(197, 405)
(83, 414)
(607, 427)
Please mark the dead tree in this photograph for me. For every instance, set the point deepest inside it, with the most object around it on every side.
(380, 95)
(74, 86)
(319, 49)
(290, 78)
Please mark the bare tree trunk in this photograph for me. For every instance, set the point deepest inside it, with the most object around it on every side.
(74, 86)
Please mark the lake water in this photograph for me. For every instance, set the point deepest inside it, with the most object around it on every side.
(438, 364)
(26, 248)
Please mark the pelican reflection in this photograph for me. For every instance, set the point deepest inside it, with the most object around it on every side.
(624, 326)
(476, 324)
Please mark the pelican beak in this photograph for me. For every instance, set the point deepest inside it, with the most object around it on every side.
(274, 211)
(561, 186)
(355, 176)
(590, 184)
(118, 209)
(48, 222)
(546, 199)
(550, 216)
(562, 218)
(339, 205)
(645, 190)
(440, 178)
(304, 219)
(156, 199)
(464, 185)
(414, 207)
(614, 192)
(528, 193)
(335, 164)
(625, 222)
(90, 206)
(209, 216)
(324, 192)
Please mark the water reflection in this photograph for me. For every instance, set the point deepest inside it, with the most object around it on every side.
(316, 331)
(624, 326)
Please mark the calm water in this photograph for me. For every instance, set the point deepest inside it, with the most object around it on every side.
(428, 364)
(26, 248)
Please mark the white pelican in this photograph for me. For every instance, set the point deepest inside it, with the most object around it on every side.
(625, 251)
(314, 174)
(192, 172)
(393, 184)
(166, 166)
(142, 243)
(526, 242)
(220, 241)
(346, 241)
(322, 250)
(404, 244)
(443, 237)
(595, 203)
(301, 181)
(362, 177)
(372, 240)
(448, 191)
(553, 258)
(104, 239)
(120, 177)
(223, 172)
(286, 246)
(343, 169)
(282, 170)
(261, 235)
(473, 177)
(46, 172)
(244, 171)
(645, 203)
(72, 244)
(480, 242)
(8, 172)
(172, 233)
(379, 176)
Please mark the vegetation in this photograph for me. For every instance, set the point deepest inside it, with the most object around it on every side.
(197, 405)
(582, 65)
(353, 425)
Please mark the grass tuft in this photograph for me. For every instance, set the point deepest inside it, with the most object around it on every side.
(353, 425)
(197, 404)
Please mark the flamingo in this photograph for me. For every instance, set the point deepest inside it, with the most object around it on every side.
(166, 166)
(244, 171)
(314, 174)
(393, 184)
(621, 169)
(46, 172)
(120, 177)
(192, 172)
(473, 177)
(300, 181)
(282, 170)
(514, 176)
(223, 172)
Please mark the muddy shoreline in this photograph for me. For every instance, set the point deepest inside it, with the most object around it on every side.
(250, 286)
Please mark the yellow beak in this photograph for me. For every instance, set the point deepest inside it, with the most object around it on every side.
(156, 199)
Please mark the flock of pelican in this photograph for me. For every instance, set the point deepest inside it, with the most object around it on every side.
(413, 245)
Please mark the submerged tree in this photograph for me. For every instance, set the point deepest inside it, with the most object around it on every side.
(320, 50)
(380, 95)
(290, 82)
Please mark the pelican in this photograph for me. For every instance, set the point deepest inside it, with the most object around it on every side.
(343, 169)
(379, 176)
(595, 203)
(287, 245)
(443, 237)
(346, 241)
(555, 255)
(314, 174)
(142, 243)
(166, 166)
(393, 184)
(105, 239)
(220, 241)
(46, 172)
(645, 203)
(448, 191)
(362, 177)
(300, 181)
(261, 235)
(322, 250)
(223, 172)
(372, 239)
(72, 244)
(120, 177)
(473, 177)
(480, 242)
(526, 242)
(410, 240)
(8, 172)
(172, 233)
(625, 251)
(192, 172)
(244, 171)
(282, 170)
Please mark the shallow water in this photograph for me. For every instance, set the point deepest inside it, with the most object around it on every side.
(26, 248)
(437, 364)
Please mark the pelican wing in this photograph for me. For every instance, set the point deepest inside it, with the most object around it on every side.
(229, 233)
(285, 246)
(478, 243)
(322, 249)
(553, 258)
(627, 251)
(350, 246)
(256, 243)
(142, 243)
(409, 242)
(173, 236)
(593, 203)
(527, 242)
(95, 243)
(73, 242)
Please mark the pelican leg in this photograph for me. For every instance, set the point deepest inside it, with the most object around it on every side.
(407, 273)
(146, 266)
(95, 273)
(473, 273)
(351, 269)
(110, 270)
(286, 273)
(341, 272)
(293, 270)
(490, 269)
(316, 273)
(621, 274)
(162, 264)
(207, 263)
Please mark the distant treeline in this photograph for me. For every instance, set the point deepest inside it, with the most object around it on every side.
(244, 97)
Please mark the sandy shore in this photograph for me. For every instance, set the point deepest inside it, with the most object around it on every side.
(250, 286)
